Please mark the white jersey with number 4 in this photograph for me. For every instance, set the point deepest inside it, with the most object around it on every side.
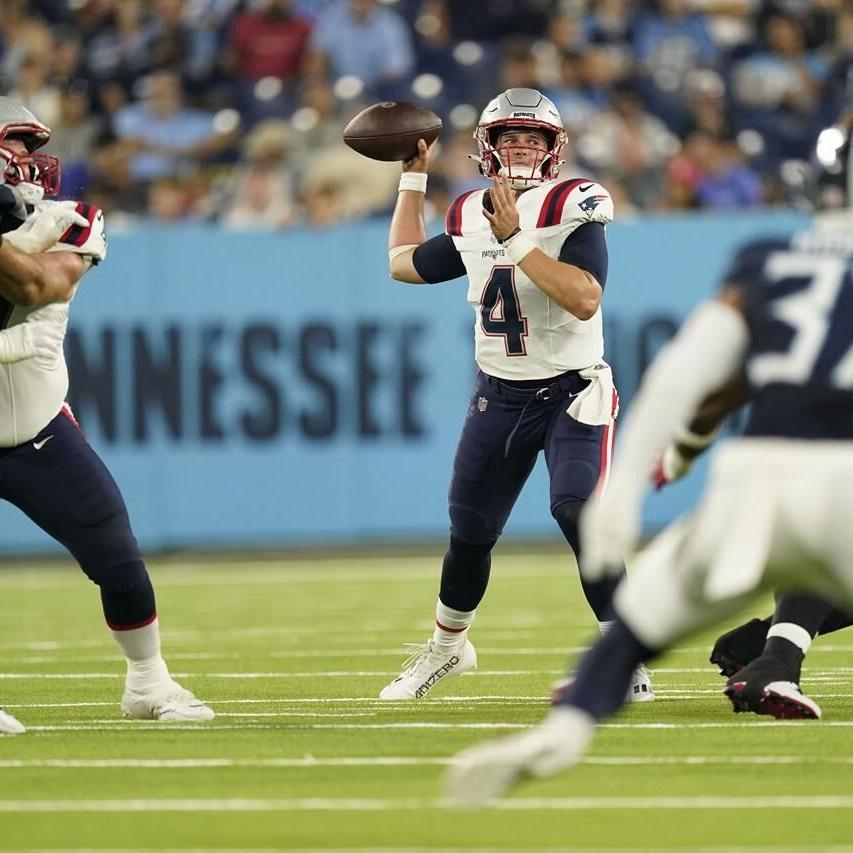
(32, 391)
(520, 332)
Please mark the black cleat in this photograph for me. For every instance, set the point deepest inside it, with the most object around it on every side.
(739, 647)
(780, 699)
(767, 686)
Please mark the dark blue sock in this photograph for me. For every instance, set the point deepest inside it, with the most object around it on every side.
(601, 682)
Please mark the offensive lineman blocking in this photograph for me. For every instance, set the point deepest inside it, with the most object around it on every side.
(47, 468)
(533, 249)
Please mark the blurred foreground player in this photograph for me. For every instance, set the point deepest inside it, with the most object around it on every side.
(763, 651)
(47, 468)
(759, 652)
(778, 508)
(533, 249)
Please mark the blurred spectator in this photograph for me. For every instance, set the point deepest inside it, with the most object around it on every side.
(268, 40)
(632, 145)
(75, 133)
(161, 136)
(34, 90)
(669, 42)
(495, 19)
(609, 22)
(777, 88)
(22, 35)
(338, 179)
(362, 39)
(722, 180)
(167, 200)
(119, 50)
(66, 57)
(576, 103)
(169, 40)
(261, 195)
(518, 66)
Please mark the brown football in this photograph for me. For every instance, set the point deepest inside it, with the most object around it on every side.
(391, 130)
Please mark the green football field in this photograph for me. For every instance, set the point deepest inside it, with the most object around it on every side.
(292, 653)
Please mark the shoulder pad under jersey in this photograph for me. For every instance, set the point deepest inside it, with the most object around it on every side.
(575, 201)
(458, 218)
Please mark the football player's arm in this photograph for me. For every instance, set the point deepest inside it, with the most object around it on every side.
(407, 230)
(32, 280)
(713, 343)
(691, 441)
(572, 287)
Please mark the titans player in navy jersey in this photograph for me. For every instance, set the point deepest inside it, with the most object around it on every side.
(533, 249)
(778, 508)
(47, 468)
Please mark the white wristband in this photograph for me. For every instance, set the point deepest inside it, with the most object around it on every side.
(686, 438)
(414, 181)
(519, 248)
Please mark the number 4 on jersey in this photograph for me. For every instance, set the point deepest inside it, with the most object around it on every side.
(500, 312)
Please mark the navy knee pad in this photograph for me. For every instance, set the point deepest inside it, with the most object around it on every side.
(127, 595)
(465, 574)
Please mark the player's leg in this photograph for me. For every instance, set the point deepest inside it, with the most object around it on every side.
(654, 608)
(578, 457)
(68, 492)
(485, 484)
(742, 645)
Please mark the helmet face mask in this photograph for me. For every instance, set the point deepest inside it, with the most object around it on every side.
(522, 110)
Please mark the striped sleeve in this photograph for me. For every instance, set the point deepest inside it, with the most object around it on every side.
(453, 219)
(77, 235)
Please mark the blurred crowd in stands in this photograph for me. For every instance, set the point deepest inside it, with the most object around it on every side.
(231, 112)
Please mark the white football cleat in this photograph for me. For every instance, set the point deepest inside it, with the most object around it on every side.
(485, 772)
(9, 725)
(640, 690)
(425, 667)
(166, 701)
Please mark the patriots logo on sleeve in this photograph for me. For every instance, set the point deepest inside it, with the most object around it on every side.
(589, 204)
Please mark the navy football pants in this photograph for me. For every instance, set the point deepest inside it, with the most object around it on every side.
(505, 429)
(62, 485)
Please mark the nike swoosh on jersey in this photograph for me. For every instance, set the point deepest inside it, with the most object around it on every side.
(39, 444)
(585, 187)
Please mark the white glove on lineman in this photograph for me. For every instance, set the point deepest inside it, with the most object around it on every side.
(45, 225)
(40, 336)
(609, 531)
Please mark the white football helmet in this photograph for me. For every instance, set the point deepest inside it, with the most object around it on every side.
(34, 175)
(520, 109)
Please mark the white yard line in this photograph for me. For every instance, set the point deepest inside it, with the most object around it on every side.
(137, 725)
(368, 804)
(402, 761)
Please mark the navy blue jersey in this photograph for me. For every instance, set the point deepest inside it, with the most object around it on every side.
(798, 303)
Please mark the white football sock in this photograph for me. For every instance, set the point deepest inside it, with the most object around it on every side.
(451, 627)
(795, 634)
(141, 647)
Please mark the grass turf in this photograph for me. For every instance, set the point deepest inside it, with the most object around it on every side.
(292, 654)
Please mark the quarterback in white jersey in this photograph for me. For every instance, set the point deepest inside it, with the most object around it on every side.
(534, 251)
(47, 468)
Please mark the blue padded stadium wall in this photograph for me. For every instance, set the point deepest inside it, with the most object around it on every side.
(262, 390)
